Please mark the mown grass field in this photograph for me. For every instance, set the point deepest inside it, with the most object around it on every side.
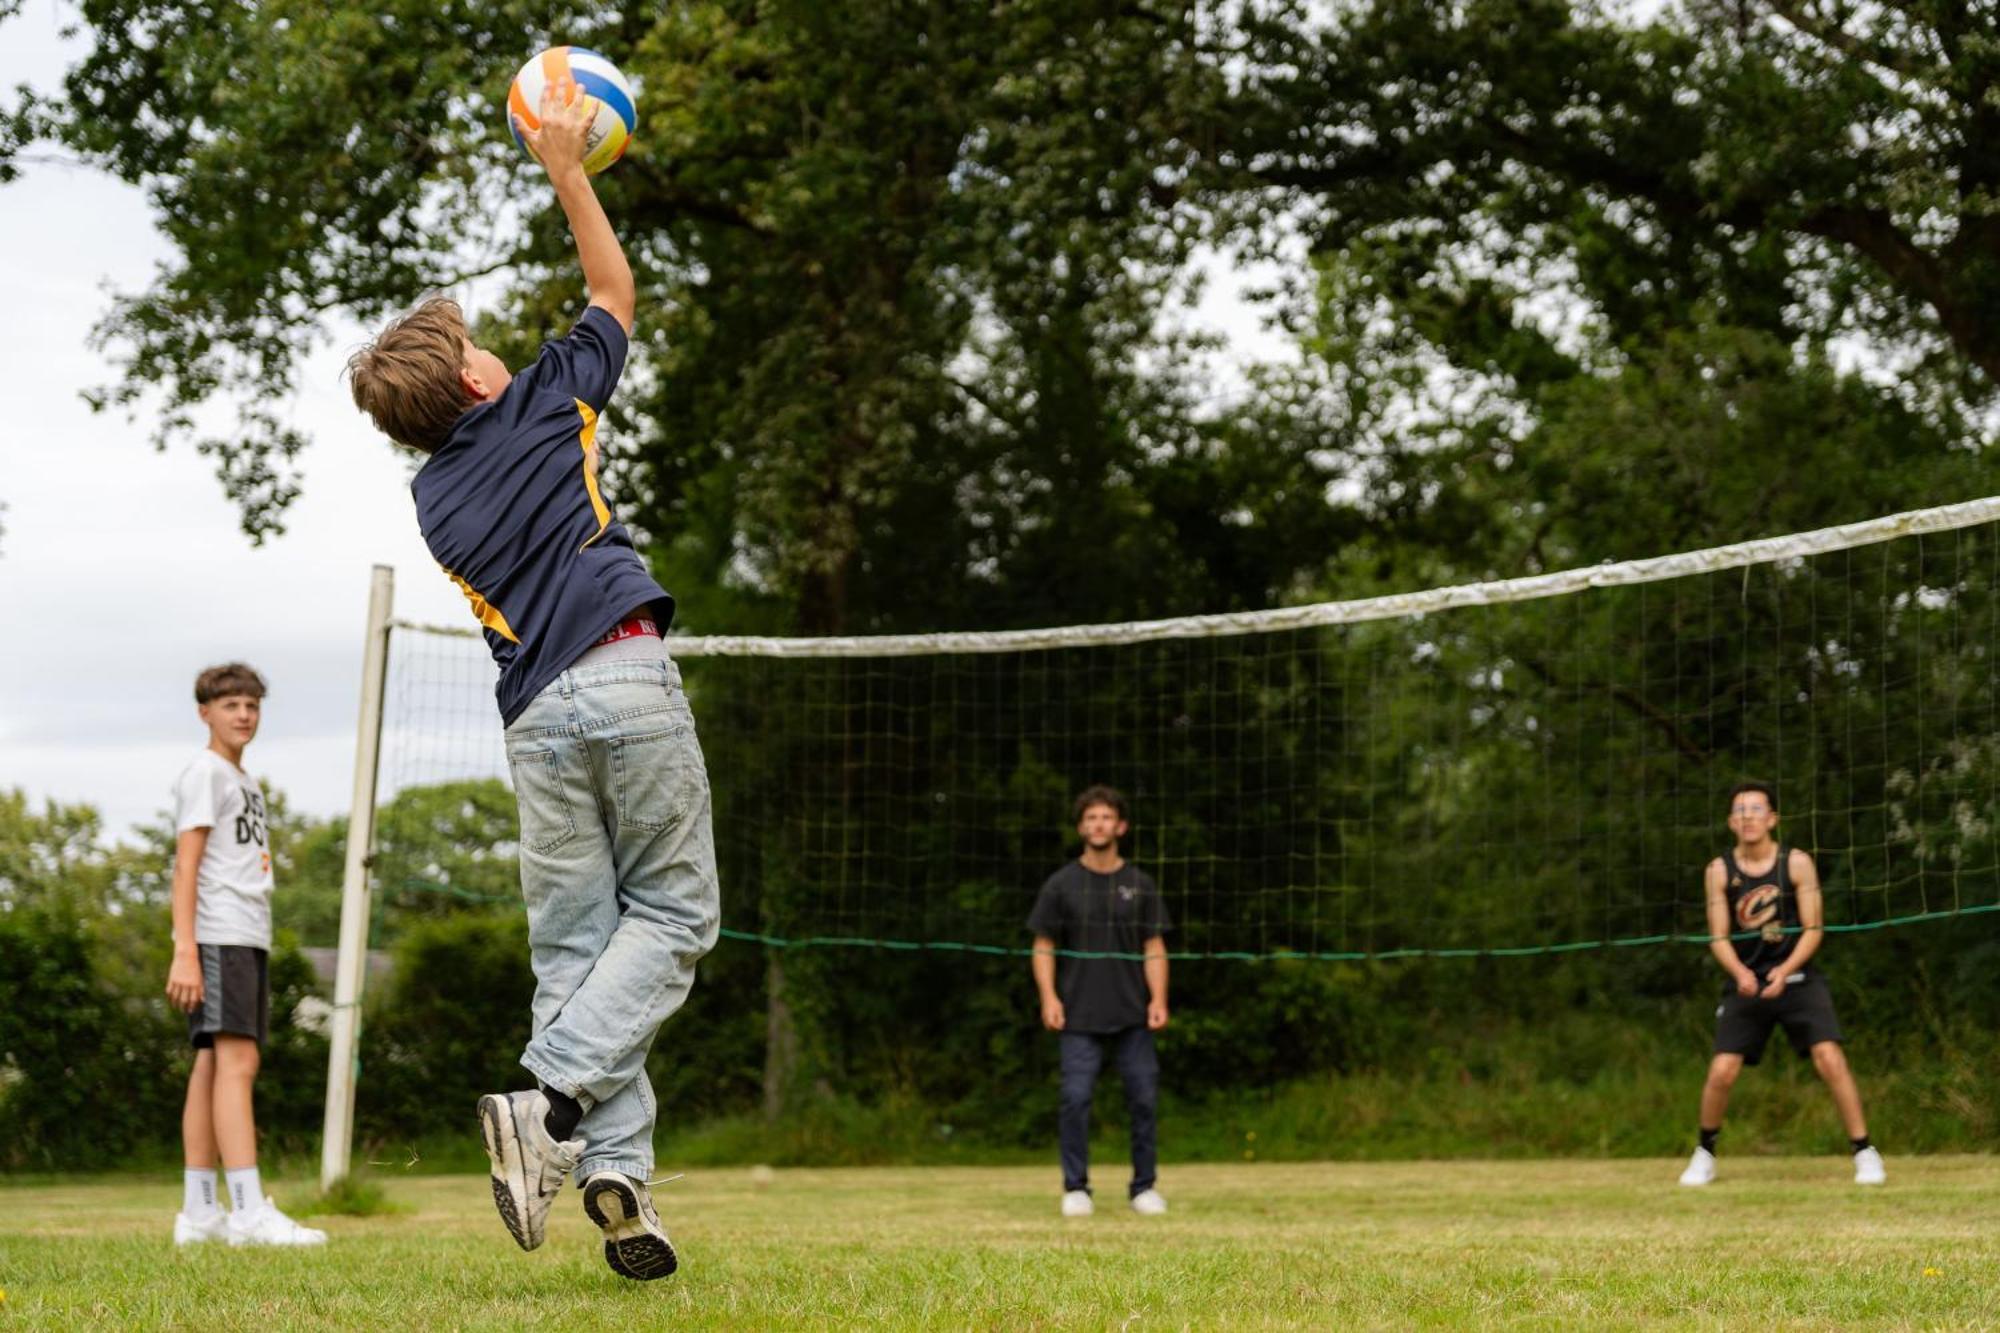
(1778, 1242)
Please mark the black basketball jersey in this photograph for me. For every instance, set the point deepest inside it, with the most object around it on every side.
(1765, 905)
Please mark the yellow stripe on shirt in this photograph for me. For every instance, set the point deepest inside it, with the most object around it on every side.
(489, 614)
(588, 438)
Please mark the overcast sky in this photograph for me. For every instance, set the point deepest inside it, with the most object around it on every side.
(123, 571)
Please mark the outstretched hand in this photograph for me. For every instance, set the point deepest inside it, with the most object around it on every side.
(567, 113)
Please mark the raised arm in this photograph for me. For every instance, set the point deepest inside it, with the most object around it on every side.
(559, 145)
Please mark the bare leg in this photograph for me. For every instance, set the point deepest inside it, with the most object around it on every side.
(235, 1124)
(198, 1151)
(1722, 1072)
(1831, 1062)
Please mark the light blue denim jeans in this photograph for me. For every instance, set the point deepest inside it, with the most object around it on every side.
(618, 872)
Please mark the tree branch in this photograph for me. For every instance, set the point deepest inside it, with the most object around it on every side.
(1633, 700)
(1837, 37)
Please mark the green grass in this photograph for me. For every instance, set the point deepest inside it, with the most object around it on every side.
(1786, 1242)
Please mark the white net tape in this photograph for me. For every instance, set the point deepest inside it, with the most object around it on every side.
(1395, 606)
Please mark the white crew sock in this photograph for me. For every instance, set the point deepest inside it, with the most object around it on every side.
(246, 1191)
(198, 1192)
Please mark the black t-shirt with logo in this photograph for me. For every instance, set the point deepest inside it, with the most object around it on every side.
(1763, 903)
(1092, 913)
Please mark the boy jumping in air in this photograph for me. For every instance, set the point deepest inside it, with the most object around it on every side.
(617, 855)
(221, 970)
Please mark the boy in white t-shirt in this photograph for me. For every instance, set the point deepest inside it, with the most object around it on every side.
(221, 968)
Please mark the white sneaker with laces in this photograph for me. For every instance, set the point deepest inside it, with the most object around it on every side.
(1149, 1202)
(190, 1230)
(529, 1166)
(265, 1225)
(1076, 1203)
(1868, 1168)
(1700, 1168)
(635, 1244)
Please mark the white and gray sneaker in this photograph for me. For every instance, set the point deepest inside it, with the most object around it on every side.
(189, 1230)
(1149, 1202)
(1700, 1168)
(1868, 1168)
(529, 1165)
(263, 1224)
(1076, 1203)
(635, 1244)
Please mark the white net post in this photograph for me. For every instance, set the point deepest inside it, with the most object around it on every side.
(351, 970)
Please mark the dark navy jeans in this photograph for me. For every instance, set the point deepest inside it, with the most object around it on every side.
(1139, 1069)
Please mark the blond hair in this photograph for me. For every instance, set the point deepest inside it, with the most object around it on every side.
(407, 380)
(229, 678)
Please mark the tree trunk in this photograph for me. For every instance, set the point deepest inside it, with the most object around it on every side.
(781, 1037)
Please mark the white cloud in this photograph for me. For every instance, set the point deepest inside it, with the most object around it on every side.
(122, 570)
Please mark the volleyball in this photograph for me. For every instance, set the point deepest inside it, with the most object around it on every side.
(617, 114)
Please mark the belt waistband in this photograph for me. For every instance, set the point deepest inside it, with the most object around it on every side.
(628, 629)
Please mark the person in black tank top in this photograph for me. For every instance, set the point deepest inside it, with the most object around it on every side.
(1765, 924)
(1763, 913)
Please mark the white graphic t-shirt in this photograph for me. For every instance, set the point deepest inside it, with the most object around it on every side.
(232, 902)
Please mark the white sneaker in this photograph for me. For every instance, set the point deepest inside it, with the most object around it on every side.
(1149, 1202)
(1868, 1168)
(529, 1166)
(1700, 1168)
(1077, 1203)
(199, 1230)
(635, 1244)
(265, 1225)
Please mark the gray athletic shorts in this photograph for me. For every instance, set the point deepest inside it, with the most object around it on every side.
(235, 994)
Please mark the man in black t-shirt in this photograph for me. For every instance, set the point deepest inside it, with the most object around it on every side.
(1764, 925)
(1100, 964)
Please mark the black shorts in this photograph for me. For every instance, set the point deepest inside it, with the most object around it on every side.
(1743, 1023)
(235, 994)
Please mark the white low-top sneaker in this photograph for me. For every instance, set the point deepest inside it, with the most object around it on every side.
(1076, 1203)
(1868, 1168)
(1149, 1202)
(265, 1225)
(529, 1166)
(200, 1230)
(1700, 1168)
(635, 1244)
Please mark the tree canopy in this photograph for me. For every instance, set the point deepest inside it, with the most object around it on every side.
(912, 273)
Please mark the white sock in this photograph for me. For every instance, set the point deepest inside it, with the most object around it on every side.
(245, 1190)
(198, 1191)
